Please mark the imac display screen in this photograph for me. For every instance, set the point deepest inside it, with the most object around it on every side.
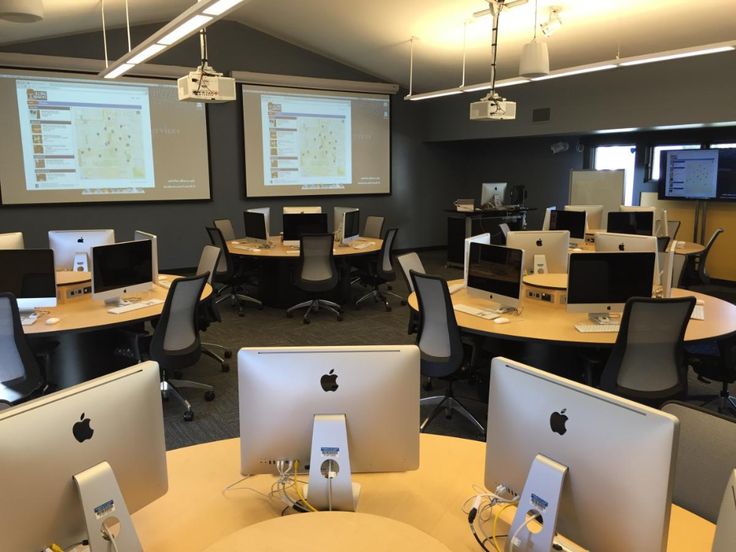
(726, 182)
(495, 269)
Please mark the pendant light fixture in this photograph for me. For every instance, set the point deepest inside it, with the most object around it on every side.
(534, 61)
(21, 11)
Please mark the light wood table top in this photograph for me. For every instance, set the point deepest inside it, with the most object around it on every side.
(541, 321)
(86, 314)
(688, 248)
(550, 280)
(197, 512)
(279, 250)
(70, 277)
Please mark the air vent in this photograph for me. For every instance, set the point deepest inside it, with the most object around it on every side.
(541, 114)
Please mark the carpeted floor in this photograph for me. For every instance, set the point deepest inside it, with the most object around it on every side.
(371, 325)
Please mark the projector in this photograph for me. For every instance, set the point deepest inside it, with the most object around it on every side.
(493, 110)
(204, 85)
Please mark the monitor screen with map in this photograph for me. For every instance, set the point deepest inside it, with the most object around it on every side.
(689, 174)
(75, 139)
(302, 142)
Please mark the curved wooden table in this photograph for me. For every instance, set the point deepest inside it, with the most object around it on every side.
(197, 513)
(540, 321)
(280, 251)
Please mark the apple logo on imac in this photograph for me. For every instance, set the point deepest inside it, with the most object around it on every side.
(557, 422)
(539, 242)
(82, 430)
(80, 240)
(621, 247)
(329, 381)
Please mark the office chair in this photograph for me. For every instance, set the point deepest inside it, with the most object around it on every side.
(695, 272)
(440, 346)
(226, 227)
(647, 363)
(380, 271)
(504, 230)
(208, 311)
(705, 458)
(21, 376)
(373, 227)
(672, 227)
(714, 361)
(228, 277)
(175, 343)
(317, 273)
(409, 262)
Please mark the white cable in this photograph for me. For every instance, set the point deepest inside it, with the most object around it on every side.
(127, 22)
(104, 33)
(510, 545)
(109, 536)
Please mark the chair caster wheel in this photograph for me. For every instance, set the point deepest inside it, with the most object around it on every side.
(225, 367)
(339, 317)
(388, 308)
(209, 396)
(241, 314)
(188, 416)
(403, 303)
(178, 374)
(228, 353)
(289, 315)
(306, 321)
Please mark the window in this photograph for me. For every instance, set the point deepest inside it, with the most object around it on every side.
(658, 153)
(618, 157)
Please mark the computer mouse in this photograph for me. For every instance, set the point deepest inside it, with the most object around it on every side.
(501, 320)
(53, 320)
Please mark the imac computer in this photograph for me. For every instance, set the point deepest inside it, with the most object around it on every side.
(29, 275)
(256, 226)
(598, 468)
(640, 223)
(601, 283)
(317, 406)
(547, 213)
(494, 274)
(594, 214)
(141, 235)
(296, 225)
(314, 209)
(350, 226)
(544, 252)
(572, 221)
(609, 241)
(493, 195)
(12, 240)
(121, 268)
(72, 247)
(65, 459)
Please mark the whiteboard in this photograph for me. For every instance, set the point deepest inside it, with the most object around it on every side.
(597, 188)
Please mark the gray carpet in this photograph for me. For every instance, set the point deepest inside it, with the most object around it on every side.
(371, 325)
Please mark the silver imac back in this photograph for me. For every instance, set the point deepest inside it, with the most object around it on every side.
(43, 443)
(618, 490)
(376, 387)
(139, 235)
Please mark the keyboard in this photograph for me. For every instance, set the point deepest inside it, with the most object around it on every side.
(135, 306)
(455, 287)
(247, 247)
(486, 314)
(362, 245)
(596, 328)
(698, 313)
(28, 319)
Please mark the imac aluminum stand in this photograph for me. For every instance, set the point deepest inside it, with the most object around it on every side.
(330, 479)
(105, 510)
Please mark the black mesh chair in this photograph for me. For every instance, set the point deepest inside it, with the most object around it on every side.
(715, 361)
(316, 274)
(208, 312)
(175, 343)
(380, 271)
(704, 460)
(695, 271)
(228, 279)
(440, 346)
(225, 226)
(21, 376)
(373, 227)
(647, 363)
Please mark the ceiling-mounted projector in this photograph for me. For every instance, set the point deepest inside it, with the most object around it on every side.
(205, 85)
(494, 109)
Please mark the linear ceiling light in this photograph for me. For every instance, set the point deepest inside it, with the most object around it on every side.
(576, 71)
(677, 55)
(199, 16)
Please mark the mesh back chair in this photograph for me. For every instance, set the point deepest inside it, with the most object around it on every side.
(208, 312)
(228, 279)
(695, 272)
(647, 363)
(409, 262)
(440, 346)
(672, 227)
(373, 227)
(379, 272)
(715, 361)
(225, 226)
(705, 458)
(317, 273)
(504, 230)
(21, 376)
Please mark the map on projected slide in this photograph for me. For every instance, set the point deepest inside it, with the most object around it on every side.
(322, 147)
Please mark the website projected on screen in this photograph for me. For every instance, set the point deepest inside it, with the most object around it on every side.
(310, 142)
(81, 139)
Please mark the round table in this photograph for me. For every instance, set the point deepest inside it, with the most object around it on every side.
(280, 251)
(197, 512)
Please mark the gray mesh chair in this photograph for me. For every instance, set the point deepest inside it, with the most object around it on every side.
(21, 376)
(695, 270)
(228, 279)
(440, 346)
(379, 272)
(647, 363)
(409, 262)
(373, 227)
(705, 458)
(316, 274)
(208, 309)
(225, 226)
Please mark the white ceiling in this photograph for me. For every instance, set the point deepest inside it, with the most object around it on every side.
(373, 35)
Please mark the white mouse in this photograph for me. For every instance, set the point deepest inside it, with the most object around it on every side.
(501, 320)
(53, 320)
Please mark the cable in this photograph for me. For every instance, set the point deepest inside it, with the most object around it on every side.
(510, 543)
(299, 491)
(495, 524)
(109, 537)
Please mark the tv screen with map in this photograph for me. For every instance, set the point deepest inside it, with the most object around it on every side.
(689, 174)
(76, 138)
(314, 142)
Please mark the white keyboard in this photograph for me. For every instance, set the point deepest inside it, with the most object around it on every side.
(486, 314)
(28, 319)
(698, 313)
(247, 247)
(135, 306)
(596, 328)
(455, 287)
(361, 245)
